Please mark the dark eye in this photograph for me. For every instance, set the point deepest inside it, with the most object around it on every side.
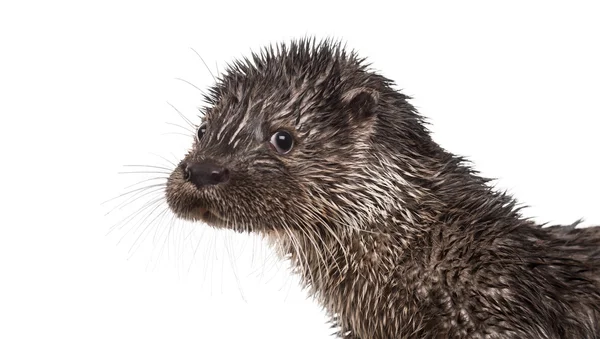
(201, 131)
(282, 141)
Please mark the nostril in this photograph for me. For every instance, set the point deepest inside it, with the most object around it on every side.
(225, 175)
(219, 176)
(186, 170)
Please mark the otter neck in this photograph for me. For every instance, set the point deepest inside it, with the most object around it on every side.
(348, 268)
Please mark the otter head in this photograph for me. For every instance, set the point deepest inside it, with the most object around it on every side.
(290, 139)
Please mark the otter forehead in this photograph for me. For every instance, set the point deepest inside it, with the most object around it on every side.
(290, 88)
(234, 124)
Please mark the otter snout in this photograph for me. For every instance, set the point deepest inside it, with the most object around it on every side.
(204, 173)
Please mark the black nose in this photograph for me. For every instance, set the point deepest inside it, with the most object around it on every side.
(205, 173)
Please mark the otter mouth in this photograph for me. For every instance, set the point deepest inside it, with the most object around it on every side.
(206, 215)
(190, 203)
(203, 213)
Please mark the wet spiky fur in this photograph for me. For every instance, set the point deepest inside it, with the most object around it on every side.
(395, 236)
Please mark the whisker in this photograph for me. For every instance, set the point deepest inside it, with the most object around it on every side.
(133, 191)
(217, 67)
(301, 254)
(179, 245)
(168, 229)
(145, 229)
(137, 195)
(191, 84)
(149, 166)
(145, 172)
(273, 259)
(212, 250)
(160, 218)
(233, 269)
(165, 159)
(280, 249)
(183, 127)
(154, 205)
(175, 157)
(222, 269)
(145, 180)
(188, 121)
(317, 250)
(154, 238)
(196, 250)
(133, 215)
(136, 226)
(209, 71)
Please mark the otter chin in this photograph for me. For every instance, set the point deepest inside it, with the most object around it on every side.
(395, 236)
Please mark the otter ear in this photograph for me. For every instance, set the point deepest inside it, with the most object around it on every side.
(361, 102)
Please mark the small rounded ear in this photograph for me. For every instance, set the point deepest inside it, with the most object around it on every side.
(361, 101)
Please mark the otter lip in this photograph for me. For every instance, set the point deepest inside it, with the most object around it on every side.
(203, 212)
(208, 215)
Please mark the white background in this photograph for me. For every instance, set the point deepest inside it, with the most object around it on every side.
(84, 88)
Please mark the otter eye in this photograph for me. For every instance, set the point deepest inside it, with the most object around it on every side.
(201, 131)
(282, 141)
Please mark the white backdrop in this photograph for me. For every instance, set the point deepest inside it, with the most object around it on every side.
(84, 89)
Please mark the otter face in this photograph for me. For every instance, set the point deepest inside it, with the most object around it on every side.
(284, 142)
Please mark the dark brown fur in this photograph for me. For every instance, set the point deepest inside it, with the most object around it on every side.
(395, 236)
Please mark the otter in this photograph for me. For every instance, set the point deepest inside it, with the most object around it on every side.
(304, 144)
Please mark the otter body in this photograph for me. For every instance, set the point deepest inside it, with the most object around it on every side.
(395, 236)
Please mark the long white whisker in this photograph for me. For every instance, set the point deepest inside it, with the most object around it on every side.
(196, 250)
(234, 268)
(188, 121)
(165, 159)
(138, 195)
(209, 71)
(182, 127)
(145, 172)
(191, 84)
(145, 180)
(132, 215)
(136, 190)
(149, 166)
(145, 229)
(135, 214)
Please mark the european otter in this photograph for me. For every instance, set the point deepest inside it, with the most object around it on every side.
(395, 236)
